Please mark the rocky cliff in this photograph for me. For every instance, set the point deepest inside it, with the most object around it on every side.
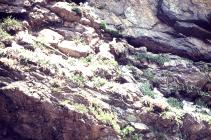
(105, 70)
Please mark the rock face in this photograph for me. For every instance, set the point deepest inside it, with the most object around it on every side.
(105, 70)
(47, 124)
(181, 27)
(29, 111)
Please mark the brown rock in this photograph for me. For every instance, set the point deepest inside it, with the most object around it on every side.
(195, 129)
(70, 48)
(64, 10)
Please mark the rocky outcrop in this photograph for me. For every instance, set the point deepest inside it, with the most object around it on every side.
(30, 110)
(64, 76)
(178, 27)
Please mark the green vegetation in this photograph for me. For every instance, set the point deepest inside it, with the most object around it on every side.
(106, 117)
(173, 114)
(78, 79)
(4, 36)
(148, 73)
(108, 62)
(159, 59)
(2, 46)
(87, 59)
(81, 108)
(166, 74)
(99, 82)
(11, 24)
(103, 25)
(92, 60)
(173, 102)
(78, 107)
(77, 10)
(127, 131)
(78, 40)
(146, 89)
(135, 137)
(38, 44)
(113, 32)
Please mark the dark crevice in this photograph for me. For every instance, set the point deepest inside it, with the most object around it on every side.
(5, 71)
(19, 16)
(79, 1)
(203, 24)
(134, 42)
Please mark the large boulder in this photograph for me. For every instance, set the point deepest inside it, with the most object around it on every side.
(50, 37)
(66, 11)
(70, 48)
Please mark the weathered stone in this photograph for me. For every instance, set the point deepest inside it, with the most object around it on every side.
(143, 26)
(50, 37)
(12, 10)
(195, 130)
(70, 48)
(141, 127)
(17, 2)
(65, 10)
(40, 17)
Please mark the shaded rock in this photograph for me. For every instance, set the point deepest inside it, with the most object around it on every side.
(16, 11)
(168, 126)
(40, 17)
(183, 80)
(195, 130)
(40, 119)
(29, 111)
(196, 31)
(188, 47)
(195, 12)
(16, 2)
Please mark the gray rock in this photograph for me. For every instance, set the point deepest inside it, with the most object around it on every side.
(179, 27)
